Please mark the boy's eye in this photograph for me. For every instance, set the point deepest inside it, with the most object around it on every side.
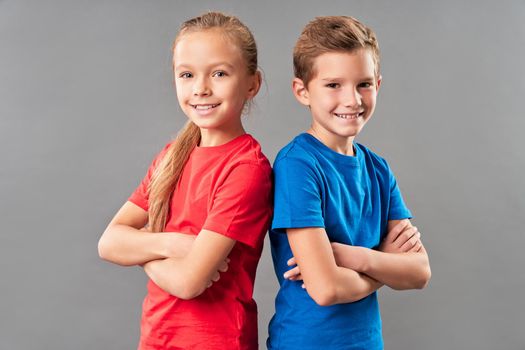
(185, 75)
(219, 73)
(366, 85)
(333, 85)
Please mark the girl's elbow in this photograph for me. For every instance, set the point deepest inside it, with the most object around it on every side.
(104, 251)
(189, 292)
(191, 289)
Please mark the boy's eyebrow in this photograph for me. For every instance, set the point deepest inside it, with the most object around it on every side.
(331, 79)
(364, 78)
(370, 78)
(212, 65)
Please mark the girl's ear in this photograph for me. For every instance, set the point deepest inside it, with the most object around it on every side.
(255, 85)
(300, 91)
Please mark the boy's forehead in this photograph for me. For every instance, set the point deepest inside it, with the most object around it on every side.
(336, 64)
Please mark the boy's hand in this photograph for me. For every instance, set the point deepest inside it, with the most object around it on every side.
(294, 274)
(402, 238)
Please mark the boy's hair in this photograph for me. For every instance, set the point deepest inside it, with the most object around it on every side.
(331, 34)
(169, 170)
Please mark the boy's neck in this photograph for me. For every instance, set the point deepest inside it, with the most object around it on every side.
(342, 145)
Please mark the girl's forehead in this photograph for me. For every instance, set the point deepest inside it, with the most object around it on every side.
(206, 45)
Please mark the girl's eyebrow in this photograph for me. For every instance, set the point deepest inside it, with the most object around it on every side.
(212, 65)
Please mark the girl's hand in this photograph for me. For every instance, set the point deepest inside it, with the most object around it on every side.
(402, 238)
(222, 268)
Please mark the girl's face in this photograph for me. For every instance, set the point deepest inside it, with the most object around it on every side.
(212, 83)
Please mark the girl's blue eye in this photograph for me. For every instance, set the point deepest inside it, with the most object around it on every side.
(185, 75)
(219, 74)
(332, 85)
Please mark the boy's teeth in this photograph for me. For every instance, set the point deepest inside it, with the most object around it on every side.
(347, 116)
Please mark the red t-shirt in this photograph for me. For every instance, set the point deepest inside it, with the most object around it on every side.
(225, 189)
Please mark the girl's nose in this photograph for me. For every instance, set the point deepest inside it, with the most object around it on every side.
(201, 88)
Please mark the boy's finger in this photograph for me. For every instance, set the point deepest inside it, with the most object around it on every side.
(292, 272)
(396, 230)
(405, 235)
(409, 244)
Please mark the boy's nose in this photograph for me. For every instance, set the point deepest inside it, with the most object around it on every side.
(353, 99)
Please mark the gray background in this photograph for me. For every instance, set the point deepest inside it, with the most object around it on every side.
(87, 100)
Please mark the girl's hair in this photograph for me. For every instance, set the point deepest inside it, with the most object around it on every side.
(169, 170)
(331, 34)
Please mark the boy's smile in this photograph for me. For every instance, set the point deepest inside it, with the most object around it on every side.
(341, 96)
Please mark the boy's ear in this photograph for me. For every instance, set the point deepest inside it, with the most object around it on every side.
(255, 85)
(379, 80)
(300, 92)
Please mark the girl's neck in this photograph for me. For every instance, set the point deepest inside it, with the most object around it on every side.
(214, 137)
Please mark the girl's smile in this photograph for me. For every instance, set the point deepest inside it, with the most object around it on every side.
(212, 92)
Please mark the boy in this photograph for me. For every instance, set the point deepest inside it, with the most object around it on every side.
(339, 214)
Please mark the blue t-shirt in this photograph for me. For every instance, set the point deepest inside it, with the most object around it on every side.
(352, 197)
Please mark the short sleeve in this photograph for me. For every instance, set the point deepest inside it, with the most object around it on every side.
(241, 207)
(297, 197)
(140, 196)
(397, 208)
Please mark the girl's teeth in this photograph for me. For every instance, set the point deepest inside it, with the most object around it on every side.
(205, 107)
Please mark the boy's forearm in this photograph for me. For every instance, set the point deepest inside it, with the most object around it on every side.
(353, 286)
(399, 271)
(125, 245)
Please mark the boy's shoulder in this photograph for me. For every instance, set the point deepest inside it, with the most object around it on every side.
(296, 149)
(372, 157)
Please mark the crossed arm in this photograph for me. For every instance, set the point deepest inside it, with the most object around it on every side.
(181, 264)
(336, 273)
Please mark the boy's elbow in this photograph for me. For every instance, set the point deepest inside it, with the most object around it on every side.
(423, 281)
(420, 281)
(323, 296)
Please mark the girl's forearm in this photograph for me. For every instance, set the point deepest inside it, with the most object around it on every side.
(172, 276)
(127, 246)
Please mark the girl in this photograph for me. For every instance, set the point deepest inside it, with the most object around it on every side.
(205, 198)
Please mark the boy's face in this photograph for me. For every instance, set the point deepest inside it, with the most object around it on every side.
(341, 95)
